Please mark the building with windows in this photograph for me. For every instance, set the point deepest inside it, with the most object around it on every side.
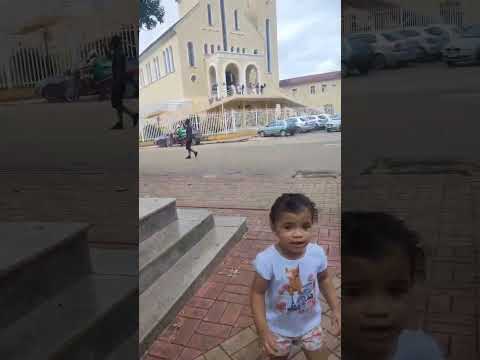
(220, 54)
(321, 91)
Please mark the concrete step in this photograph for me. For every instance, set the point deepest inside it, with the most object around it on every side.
(84, 321)
(155, 214)
(160, 303)
(38, 260)
(128, 350)
(161, 251)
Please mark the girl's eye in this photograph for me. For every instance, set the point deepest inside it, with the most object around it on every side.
(307, 226)
(287, 227)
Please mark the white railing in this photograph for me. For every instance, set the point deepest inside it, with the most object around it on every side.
(26, 63)
(379, 19)
(209, 124)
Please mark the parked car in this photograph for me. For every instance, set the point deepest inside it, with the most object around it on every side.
(312, 120)
(277, 128)
(390, 49)
(446, 33)
(465, 49)
(334, 123)
(427, 46)
(299, 124)
(357, 56)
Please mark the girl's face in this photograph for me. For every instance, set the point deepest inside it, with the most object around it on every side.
(376, 303)
(294, 232)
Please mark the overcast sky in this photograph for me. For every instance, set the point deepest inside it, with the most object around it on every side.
(308, 34)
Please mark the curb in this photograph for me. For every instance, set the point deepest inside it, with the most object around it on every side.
(206, 142)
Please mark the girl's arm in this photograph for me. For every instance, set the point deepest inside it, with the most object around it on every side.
(257, 300)
(328, 291)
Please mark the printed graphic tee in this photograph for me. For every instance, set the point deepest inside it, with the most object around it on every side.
(292, 301)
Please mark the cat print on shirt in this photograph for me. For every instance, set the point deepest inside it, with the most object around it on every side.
(294, 296)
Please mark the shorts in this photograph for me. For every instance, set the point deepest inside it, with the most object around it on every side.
(188, 144)
(311, 341)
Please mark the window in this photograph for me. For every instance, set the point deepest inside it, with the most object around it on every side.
(235, 15)
(238, 50)
(156, 69)
(243, 50)
(269, 58)
(191, 54)
(255, 52)
(212, 49)
(149, 73)
(142, 78)
(169, 66)
(219, 48)
(312, 89)
(205, 47)
(329, 109)
(165, 65)
(172, 65)
(324, 88)
(294, 92)
(209, 11)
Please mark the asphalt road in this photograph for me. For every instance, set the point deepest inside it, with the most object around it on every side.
(423, 112)
(271, 156)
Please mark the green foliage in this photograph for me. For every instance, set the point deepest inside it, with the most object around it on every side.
(151, 14)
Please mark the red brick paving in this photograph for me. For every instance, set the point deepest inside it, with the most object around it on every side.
(220, 308)
(441, 208)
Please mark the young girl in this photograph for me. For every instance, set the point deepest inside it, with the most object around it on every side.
(285, 296)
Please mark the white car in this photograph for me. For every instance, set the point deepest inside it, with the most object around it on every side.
(446, 33)
(465, 49)
(334, 123)
(427, 46)
(390, 50)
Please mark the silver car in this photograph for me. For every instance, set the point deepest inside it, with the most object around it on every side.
(334, 123)
(390, 49)
(426, 45)
(465, 49)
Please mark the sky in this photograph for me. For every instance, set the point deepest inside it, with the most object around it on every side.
(309, 33)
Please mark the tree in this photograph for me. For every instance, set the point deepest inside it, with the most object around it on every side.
(151, 14)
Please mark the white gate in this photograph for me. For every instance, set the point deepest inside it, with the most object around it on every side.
(24, 60)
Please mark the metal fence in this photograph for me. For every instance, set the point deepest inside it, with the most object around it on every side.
(209, 124)
(28, 62)
(379, 19)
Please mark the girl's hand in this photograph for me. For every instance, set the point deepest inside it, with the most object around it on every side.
(269, 342)
(337, 323)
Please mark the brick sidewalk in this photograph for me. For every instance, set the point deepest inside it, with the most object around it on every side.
(217, 323)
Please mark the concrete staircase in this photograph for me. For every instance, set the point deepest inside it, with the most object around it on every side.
(178, 248)
(64, 299)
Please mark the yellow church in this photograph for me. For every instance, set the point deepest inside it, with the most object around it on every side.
(220, 55)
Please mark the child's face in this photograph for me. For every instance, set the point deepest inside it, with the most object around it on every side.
(294, 231)
(375, 299)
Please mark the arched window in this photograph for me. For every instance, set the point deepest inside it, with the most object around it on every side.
(210, 17)
(267, 36)
(169, 66)
(205, 48)
(212, 49)
(235, 15)
(312, 89)
(172, 65)
(191, 54)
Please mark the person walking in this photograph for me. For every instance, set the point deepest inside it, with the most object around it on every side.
(119, 74)
(189, 139)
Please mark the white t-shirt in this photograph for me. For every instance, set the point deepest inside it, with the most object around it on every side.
(416, 345)
(292, 301)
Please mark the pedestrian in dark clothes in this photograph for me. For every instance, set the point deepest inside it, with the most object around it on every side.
(119, 75)
(189, 139)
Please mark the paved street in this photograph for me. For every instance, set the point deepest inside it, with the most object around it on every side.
(272, 156)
